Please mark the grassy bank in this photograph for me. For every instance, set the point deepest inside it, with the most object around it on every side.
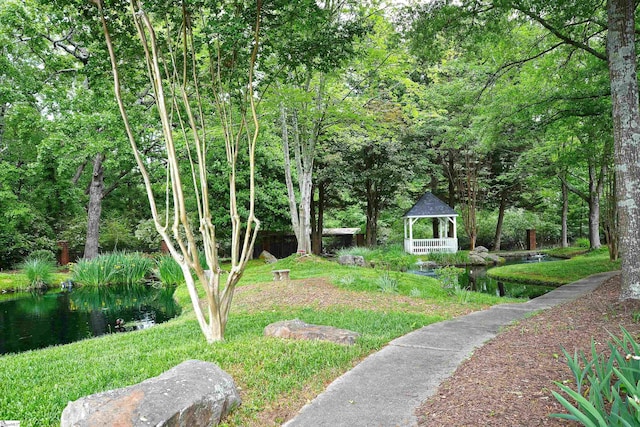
(274, 375)
(556, 273)
(18, 281)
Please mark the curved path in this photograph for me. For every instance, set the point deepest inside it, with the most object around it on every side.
(386, 388)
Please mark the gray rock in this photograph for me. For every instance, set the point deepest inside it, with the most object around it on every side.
(491, 257)
(352, 260)
(481, 249)
(267, 257)
(477, 259)
(297, 329)
(194, 393)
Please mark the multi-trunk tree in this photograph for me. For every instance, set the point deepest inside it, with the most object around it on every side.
(200, 64)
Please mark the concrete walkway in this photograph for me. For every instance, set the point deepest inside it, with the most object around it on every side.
(386, 388)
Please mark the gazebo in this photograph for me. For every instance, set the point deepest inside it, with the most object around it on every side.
(429, 206)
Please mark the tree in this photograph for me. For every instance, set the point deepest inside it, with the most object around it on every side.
(626, 134)
(178, 45)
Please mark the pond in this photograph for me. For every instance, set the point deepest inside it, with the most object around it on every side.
(475, 278)
(29, 321)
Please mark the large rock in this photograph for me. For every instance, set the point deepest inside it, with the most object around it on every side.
(194, 393)
(297, 329)
(351, 260)
(480, 249)
(267, 257)
(476, 259)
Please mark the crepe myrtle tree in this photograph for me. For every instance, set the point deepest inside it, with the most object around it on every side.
(180, 46)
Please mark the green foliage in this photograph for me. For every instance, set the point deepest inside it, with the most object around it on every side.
(117, 268)
(607, 388)
(168, 271)
(448, 276)
(392, 256)
(514, 228)
(388, 284)
(43, 255)
(582, 243)
(445, 258)
(39, 271)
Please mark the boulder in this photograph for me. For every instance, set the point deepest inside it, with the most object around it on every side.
(194, 393)
(477, 259)
(491, 257)
(352, 260)
(297, 329)
(480, 249)
(267, 257)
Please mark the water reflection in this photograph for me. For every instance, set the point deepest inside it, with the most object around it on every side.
(31, 321)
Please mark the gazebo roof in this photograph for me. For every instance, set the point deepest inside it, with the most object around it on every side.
(430, 206)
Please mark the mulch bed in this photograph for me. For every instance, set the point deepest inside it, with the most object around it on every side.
(508, 381)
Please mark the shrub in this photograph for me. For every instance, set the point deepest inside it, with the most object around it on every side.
(583, 243)
(448, 276)
(43, 255)
(39, 271)
(607, 388)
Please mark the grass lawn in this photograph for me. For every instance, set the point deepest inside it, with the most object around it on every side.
(276, 376)
(556, 273)
(16, 280)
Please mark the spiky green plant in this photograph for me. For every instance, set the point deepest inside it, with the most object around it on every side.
(168, 271)
(39, 271)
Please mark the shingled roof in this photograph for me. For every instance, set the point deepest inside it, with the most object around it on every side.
(430, 206)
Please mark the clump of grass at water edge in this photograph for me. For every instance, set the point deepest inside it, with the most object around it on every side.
(117, 268)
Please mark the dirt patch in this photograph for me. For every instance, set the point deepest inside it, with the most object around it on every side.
(508, 381)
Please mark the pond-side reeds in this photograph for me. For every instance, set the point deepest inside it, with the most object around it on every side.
(39, 272)
(168, 271)
(117, 268)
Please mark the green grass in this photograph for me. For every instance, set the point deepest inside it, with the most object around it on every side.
(569, 252)
(35, 386)
(19, 281)
(556, 273)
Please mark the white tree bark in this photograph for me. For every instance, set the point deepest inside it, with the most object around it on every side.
(177, 95)
(303, 149)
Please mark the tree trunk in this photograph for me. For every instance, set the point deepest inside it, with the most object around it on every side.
(501, 209)
(95, 208)
(565, 214)
(317, 220)
(372, 215)
(626, 132)
(435, 224)
(595, 189)
(300, 212)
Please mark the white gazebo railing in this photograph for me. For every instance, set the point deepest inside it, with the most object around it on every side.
(425, 246)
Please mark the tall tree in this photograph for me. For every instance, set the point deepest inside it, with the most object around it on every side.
(626, 133)
(179, 44)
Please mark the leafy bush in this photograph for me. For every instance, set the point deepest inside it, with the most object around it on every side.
(582, 243)
(117, 268)
(43, 255)
(448, 276)
(392, 256)
(39, 271)
(607, 388)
